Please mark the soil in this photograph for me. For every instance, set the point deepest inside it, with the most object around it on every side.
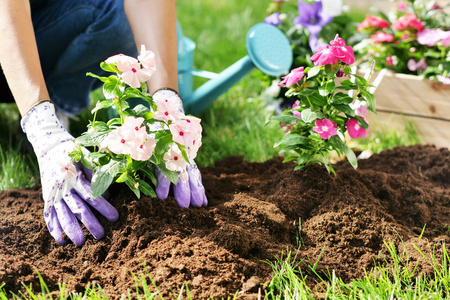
(253, 216)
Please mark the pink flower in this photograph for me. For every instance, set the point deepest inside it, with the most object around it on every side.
(144, 151)
(127, 138)
(135, 75)
(445, 39)
(181, 134)
(292, 78)
(68, 169)
(373, 22)
(354, 129)
(325, 128)
(168, 110)
(147, 59)
(296, 104)
(324, 56)
(430, 37)
(288, 127)
(132, 74)
(381, 37)
(359, 107)
(401, 7)
(408, 22)
(121, 59)
(444, 80)
(421, 65)
(174, 159)
(389, 61)
(191, 124)
(343, 52)
(196, 144)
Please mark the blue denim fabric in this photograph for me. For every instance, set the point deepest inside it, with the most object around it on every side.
(73, 37)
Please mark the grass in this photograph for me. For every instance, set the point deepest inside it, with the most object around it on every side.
(396, 278)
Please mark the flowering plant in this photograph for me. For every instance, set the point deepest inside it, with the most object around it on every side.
(323, 112)
(309, 24)
(413, 40)
(129, 147)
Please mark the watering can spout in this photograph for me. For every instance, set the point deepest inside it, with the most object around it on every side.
(268, 49)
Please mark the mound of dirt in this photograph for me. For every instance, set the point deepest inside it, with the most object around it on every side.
(254, 214)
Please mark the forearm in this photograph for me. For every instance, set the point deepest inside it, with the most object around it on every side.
(19, 56)
(153, 23)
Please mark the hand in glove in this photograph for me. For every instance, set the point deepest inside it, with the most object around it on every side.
(189, 190)
(66, 186)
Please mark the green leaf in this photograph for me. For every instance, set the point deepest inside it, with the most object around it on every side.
(370, 98)
(327, 88)
(139, 110)
(288, 119)
(103, 176)
(146, 188)
(131, 184)
(103, 79)
(113, 87)
(341, 98)
(92, 138)
(99, 126)
(122, 178)
(361, 122)
(101, 104)
(314, 71)
(149, 172)
(109, 67)
(87, 162)
(171, 175)
(346, 82)
(318, 99)
(162, 146)
(184, 152)
(341, 146)
(309, 116)
(291, 139)
(344, 108)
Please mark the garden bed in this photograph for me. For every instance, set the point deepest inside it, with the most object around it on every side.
(253, 216)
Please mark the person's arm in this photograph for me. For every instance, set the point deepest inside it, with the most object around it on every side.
(19, 56)
(153, 23)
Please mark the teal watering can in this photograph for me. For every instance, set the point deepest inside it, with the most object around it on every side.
(268, 49)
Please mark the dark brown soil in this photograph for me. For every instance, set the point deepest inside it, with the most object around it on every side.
(254, 214)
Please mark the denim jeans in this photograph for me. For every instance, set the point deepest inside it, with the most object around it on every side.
(73, 37)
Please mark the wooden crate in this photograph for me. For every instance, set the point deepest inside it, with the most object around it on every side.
(427, 103)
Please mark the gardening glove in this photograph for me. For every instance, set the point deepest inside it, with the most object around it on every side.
(189, 190)
(66, 186)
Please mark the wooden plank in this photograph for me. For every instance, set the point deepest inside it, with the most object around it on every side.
(412, 95)
(430, 131)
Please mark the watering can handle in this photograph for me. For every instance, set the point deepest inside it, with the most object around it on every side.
(268, 49)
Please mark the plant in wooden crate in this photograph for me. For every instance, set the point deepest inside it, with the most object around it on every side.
(415, 39)
(413, 43)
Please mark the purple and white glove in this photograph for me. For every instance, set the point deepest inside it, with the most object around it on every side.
(66, 186)
(189, 190)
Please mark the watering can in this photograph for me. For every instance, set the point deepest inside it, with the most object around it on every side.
(268, 49)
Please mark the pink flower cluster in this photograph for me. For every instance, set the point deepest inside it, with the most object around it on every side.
(130, 67)
(293, 77)
(338, 51)
(430, 37)
(131, 138)
(186, 130)
(373, 22)
(408, 22)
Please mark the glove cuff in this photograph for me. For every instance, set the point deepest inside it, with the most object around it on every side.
(43, 129)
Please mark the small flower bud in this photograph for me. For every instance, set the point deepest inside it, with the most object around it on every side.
(340, 73)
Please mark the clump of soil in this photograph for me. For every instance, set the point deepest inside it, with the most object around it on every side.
(254, 214)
